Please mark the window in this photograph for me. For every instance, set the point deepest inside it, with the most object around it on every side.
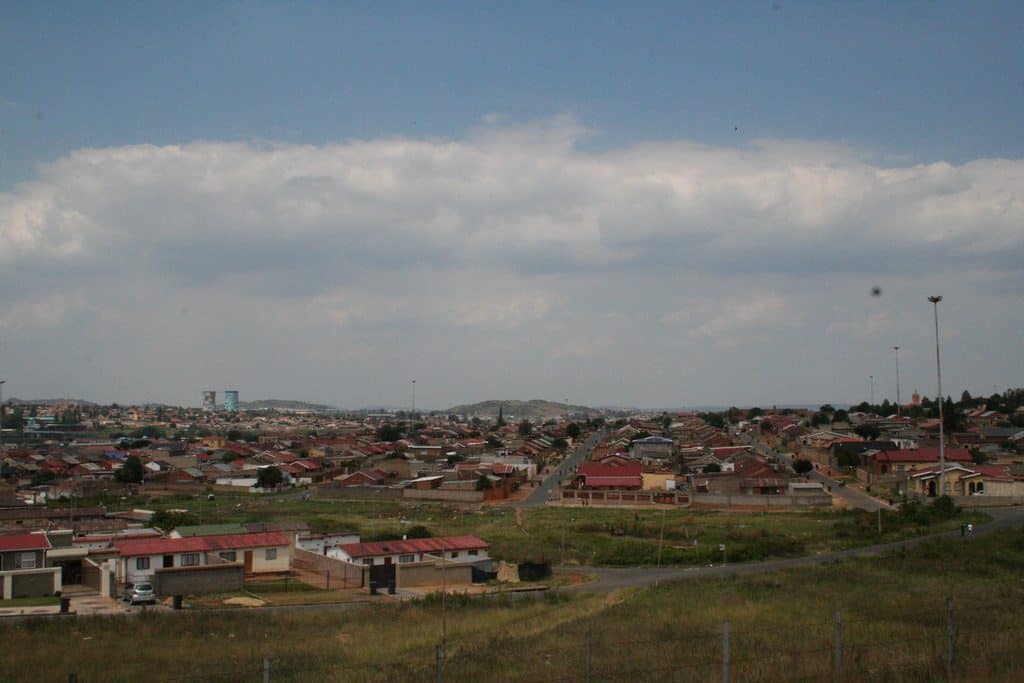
(142, 563)
(474, 553)
(28, 561)
(454, 555)
(228, 556)
(406, 558)
(271, 554)
(190, 560)
(368, 561)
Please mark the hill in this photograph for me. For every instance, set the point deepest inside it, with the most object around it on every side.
(535, 409)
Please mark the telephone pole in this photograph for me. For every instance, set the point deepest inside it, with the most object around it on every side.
(938, 371)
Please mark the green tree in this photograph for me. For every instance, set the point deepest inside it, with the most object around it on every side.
(560, 444)
(714, 419)
(483, 483)
(711, 467)
(802, 466)
(418, 531)
(269, 477)
(572, 430)
(867, 431)
(847, 458)
(389, 432)
(840, 416)
(754, 412)
(14, 420)
(978, 456)
(525, 428)
(493, 441)
(501, 417)
(131, 471)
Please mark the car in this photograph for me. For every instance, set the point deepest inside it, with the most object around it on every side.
(140, 593)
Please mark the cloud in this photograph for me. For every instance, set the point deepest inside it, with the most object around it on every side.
(488, 238)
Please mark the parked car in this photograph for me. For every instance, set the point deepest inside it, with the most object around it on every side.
(139, 593)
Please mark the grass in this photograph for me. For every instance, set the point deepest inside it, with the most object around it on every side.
(40, 601)
(782, 625)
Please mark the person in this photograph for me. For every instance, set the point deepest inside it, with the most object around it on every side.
(970, 530)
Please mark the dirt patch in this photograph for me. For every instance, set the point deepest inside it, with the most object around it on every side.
(245, 602)
(344, 638)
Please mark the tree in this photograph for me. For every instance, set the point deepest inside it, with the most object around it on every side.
(819, 419)
(14, 420)
(572, 430)
(754, 412)
(501, 417)
(418, 531)
(840, 416)
(965, 397)
(525, 427)
(802, 466)
(978, 456)
(493, 441)
(560, 444)
(269, 477)
(131, 471)
(389, 432)
(711, 467)
(483, 483)
(714, 419)
(867, 431)
(848, 458)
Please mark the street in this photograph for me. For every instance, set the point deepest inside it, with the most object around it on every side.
(565, 469)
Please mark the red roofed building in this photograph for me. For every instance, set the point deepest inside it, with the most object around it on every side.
(914, 459)
(627, 477)
(460, 549)
(268, 552)
(25, 570)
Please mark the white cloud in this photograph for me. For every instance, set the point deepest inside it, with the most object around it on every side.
(500, 232)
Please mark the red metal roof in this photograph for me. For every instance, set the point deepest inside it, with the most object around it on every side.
(929, 454)
(24, 542)
(600, 470)
(168, 546)
(614, 482)
(414, 545)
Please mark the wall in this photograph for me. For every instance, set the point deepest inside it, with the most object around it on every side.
(357, 492)
(213, 578)
(454, 496)
(343, 574)
(30, 582)
(262, 565)
(429, 574)
(781, 501)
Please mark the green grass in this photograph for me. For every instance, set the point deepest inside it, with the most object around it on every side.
(781, 624)
(282, 586)
(31, 602)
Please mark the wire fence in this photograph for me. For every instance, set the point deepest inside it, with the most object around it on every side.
(941, 643)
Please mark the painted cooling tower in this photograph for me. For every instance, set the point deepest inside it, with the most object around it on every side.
(230, 400)
(209, 401)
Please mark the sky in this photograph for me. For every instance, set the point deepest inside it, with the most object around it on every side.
(637, 204)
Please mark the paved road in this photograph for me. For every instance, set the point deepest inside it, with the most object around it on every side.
(540, 495)
(610, 578)
(852, 496)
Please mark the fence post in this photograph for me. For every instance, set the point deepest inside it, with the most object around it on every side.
(725, 651)
(439, 663)
(266, 670)
(328, 579)
(838, 657)
(949, 639)
(586, 658)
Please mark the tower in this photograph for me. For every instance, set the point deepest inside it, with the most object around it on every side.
(231, 400)
(209, 401)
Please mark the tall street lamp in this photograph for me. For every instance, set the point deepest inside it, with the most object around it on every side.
(898, 404)
(938, 370)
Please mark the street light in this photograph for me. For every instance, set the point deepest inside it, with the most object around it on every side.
(871, 380)
(898, 403)
(938, 370)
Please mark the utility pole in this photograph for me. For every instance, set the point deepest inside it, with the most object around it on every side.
(938, 369)
(871, 381)
(899, 405)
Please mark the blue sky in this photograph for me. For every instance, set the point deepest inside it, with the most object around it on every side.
(725, 179)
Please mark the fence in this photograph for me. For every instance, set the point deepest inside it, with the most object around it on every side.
(942, 642)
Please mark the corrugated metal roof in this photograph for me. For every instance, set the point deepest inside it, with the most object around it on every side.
(414, 545)
(24, 542)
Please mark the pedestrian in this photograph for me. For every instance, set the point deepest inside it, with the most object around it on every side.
(970, 530)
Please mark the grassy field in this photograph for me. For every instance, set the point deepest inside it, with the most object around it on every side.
(41, 601)
(592, 536)
(782, 627)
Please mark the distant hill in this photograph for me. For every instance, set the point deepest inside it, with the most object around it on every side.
(535, 409)
(49, 402)
(278, 404)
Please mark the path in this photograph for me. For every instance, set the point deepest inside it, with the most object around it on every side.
(542, 493)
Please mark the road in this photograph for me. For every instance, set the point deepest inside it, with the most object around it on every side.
(851, 496)
(610, 578)
(542, 493)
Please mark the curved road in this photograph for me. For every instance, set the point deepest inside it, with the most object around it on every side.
(540, 495)
(610, 578)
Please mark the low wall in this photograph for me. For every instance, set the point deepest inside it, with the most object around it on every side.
(356, 492)
(430, 574)
(979, 501)
(29, 583)
(777, 501)
(449, 495)
(341, 574)
(211, 578)
(626, 497)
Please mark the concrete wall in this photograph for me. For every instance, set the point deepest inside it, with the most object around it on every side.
(343, 574)
(453, 496)
(429, 574)
(806, 500)
(26, 583)
(213, 578)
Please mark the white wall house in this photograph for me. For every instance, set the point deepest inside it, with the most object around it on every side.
(460, 549)
(267, 552)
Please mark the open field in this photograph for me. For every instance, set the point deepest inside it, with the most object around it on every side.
(782, 627)
(593, 536)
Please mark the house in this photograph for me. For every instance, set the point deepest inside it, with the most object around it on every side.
(321, 544)
(652, 450)
(260, 553)
(455, 549)
(969, 480)
(25, 569)
(362, 478)
(912, 460)
(621, 477)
